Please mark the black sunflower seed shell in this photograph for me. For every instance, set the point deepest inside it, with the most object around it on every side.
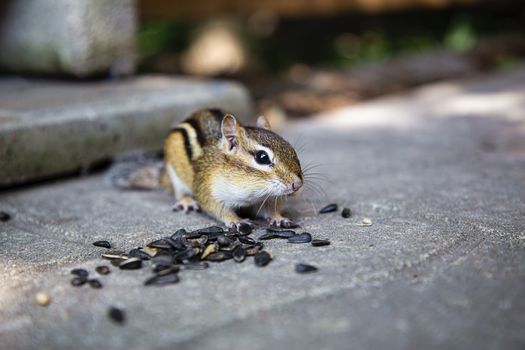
(80, 272)
(78, 281)
(320, 242)
(117, 315)
(305, 268)
(262, 259)
(131, 264)
(219, 256)
(247, 240)
(304, 237)
(224, 241)
(187, 254)
(267, 236)
(200, 265)
(159, 244)
(179, 234)
(210, 230)
(102, 270)
(328, 209)
(114, 254)
(4, 216)
(169, 270)
(160, 280)
(94, 283)
(239, 253)
(102, 244)
(244, 228)
(138, 253)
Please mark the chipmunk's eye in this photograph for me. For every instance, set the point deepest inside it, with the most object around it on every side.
(262, 157)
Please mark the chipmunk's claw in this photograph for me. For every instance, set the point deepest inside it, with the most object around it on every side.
(282, 222)
(186, 204)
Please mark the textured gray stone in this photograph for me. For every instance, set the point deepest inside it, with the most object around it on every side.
(79, 38)
(49, 128)
(439, 172)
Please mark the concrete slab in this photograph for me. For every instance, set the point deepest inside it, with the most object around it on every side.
(440, 172)
(49, 128)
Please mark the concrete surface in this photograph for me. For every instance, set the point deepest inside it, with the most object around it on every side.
(78, 38)
(440, 172)
(49, 127)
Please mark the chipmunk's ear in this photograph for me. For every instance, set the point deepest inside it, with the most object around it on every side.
(263, 123)
(230, 132)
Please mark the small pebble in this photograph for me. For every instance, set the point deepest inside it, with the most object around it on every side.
(4, 216)
(346, 213)
(102, 244)
(328, 209)
(117, 315)
(42, 299)
(305, 268)
(365, 222)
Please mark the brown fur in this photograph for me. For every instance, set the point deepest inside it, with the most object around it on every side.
(212, 158)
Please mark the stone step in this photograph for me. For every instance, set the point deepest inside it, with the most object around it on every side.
(48, 128)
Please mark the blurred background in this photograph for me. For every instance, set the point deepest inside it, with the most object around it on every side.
(304, 57)
(293, 59)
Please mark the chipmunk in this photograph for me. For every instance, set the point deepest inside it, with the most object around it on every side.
(214, 164)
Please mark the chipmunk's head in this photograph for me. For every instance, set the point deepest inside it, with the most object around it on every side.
(265, 164)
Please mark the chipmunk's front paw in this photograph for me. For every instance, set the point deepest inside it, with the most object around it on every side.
(282, 222)
(186, 204)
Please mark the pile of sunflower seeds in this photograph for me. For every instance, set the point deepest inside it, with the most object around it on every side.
(192, 250)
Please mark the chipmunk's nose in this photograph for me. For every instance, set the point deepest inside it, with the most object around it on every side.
(296, 185)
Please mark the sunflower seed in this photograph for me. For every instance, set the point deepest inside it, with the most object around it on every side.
(187, 254)
(251, 251)
(4, 216)
(42, 299)
(163, 258)
(304, 237)
(219, 256)
(159, 280)
(169, 270)
(137, 253)
(210, 230)
(346, 213)
(266, 236)
(159, 244)
(179, 234)
(262, 259)
(244, 228)
(80, 272)
(211, 248)
(94, 283)
(247, 240)
(239, 253)
(114, 254)
(116, 262)
(224, 241)
(276, 229)
(102, 244)
(117, 315)
(131, 264)
(328, 209)
(78, 281)
(320, 242)
(305, 268)
(284, 234)
(200, 265)
(103, 270)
